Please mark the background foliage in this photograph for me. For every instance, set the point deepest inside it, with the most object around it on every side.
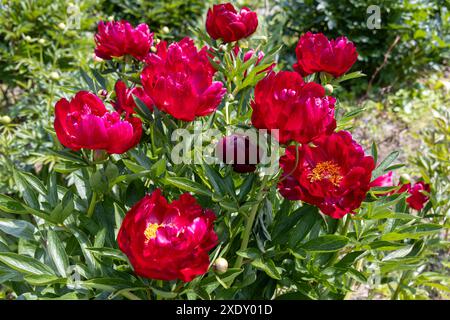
(382, 253)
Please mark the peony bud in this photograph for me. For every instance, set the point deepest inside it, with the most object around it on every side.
(239, 151)
(5, 120)
(28, 38)
(220, 265)
(328, 89)
(62, 25)
(102, 93)
(165, 30)
(54, 75)
(41, 41)
(153, 49)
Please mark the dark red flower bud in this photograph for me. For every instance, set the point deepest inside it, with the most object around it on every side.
(224, 22)
(240, 151)
(168, 241)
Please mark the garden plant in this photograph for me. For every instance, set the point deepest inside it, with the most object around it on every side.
(199, 167)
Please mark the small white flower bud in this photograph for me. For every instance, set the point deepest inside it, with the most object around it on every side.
(54, 75)
(220, 265)
(5, 119)
(329, 88)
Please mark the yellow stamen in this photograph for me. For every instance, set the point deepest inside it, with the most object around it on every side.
(150, 231)
(326, 170)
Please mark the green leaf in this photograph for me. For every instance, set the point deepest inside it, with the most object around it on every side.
(303, 226)
(57, 253)
(268, 266)
(188, 185)
(10, 205)
(18, 228)
(109, 252)
(164, 294)
(88, 81)
(25, 264)
(43, 279)
(381, 169)
(326, 243)
(250, 253)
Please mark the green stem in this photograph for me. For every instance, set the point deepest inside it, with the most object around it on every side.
(92, 204)
(342, 232)
(397, 290)
(250, 221)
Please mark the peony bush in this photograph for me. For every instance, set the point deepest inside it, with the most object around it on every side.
(197, 169)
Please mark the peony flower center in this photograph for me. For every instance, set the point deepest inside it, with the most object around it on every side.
(150, 231)
(326, 170)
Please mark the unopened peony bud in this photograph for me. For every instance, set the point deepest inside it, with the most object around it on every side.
(54, 75)
(328, 88)
(165, 29)
(220, 265)
(28, 38)
(41, 41)
(153, 49)
(61, 25)
(240, 152)
(5, 120)
(102, 93)
(38, 167)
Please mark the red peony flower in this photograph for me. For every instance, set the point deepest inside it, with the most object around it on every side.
(179, 80)
(300, 111)
(84, 122)
(417, 198)
(315, 53)
(119, 38)
(240, 151)
(168, 241)
(334, 175)
(223, 22)
(383, 181)
(124, 98)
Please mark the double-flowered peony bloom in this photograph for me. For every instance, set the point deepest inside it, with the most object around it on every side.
(125, 101)
(417, 198)
(315, 53)
(119, 38)
(224, 22)
(333, 175)
(168, 241)
(85, 123)
(300, 111)
(179, 80)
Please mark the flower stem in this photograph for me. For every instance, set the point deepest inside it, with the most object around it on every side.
(250, 221)
(92, 204)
